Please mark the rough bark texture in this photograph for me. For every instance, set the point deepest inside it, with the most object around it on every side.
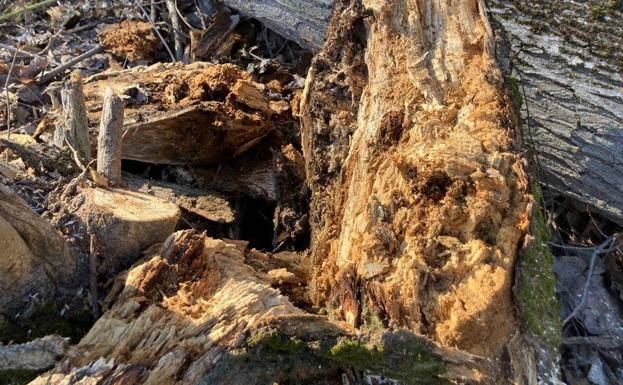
(303, 21)
(109, 140)
(73, 127)
(567, 57)
(34, 259)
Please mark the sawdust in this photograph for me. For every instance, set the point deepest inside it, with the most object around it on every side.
(131, 39)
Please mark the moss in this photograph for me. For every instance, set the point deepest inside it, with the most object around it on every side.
(515, 90)
(399, 356)
(537, 283)
(268, 357)
(275, 343)
(17, 376)
(44, 320)
(371, 320)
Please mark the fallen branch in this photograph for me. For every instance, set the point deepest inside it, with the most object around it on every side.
(605, 245)
(175, 22)
(41, 353)
(26, 8)
(56, 71)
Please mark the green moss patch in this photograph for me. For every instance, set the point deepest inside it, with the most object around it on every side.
(399, 356)
(537, 284)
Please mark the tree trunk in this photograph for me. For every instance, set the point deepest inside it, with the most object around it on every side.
(562, 53)
(568, 76)
(419, 195)
(302, 21)
(35, 261)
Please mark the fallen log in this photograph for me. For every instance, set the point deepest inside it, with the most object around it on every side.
(561, 65)
(195, 114)
(302, 21)
(39, 354)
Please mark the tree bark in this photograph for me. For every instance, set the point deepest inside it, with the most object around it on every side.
(568, 78)
(109, 141)
(561, 53)
(302, 21)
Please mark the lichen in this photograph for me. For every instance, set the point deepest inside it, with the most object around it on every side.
(537, 283)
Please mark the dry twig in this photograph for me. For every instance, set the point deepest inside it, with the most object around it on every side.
(8, 103)
(608, 245)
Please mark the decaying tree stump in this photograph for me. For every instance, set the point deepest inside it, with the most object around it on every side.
(419, 197)
(125, 223)
(420, 203)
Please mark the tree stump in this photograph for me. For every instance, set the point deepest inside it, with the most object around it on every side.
(125, 223)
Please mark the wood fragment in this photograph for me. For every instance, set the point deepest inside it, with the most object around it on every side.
(38, 354)
(203, 202)
(207, 42)
(109, 141)
(58, 70)
(73, 129)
